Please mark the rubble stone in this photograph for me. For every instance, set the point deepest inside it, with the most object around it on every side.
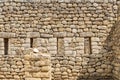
(71, 36)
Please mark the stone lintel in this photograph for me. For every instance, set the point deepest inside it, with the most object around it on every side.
(33, 34)
(59, 34)
(46, 35)
(86, 34)
(7, 35)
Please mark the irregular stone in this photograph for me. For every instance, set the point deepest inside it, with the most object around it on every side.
(45, 68)
(100, 70)
(91, 70)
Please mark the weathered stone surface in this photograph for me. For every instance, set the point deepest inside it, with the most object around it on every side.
(86, 34)
(99, 70)
(91, 70)
(45, 68)
(7, 35)
(37, 68)
(33, 34)
(58, 26)
(32, 79)
(59, 34)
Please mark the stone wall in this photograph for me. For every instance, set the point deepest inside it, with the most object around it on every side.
(28, 66)
(74, 32)
(12, 67)
(81, 67)
(114, 43)
(37, 66)
(116, 51)
(22, 20)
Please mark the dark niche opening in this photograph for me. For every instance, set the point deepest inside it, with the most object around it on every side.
(87, 45)
(31, 42)
(6, 44)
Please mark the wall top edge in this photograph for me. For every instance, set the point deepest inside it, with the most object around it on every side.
(60, 1)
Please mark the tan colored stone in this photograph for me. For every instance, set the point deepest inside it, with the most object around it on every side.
(100, 70)
(41, 75)
(45, 69)
(2, 76)
(91, 70)
(32, 78)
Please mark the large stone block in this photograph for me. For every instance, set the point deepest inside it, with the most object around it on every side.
(32, 78)
(33, 34)
(87, 34)
(59, 34)
(7, 35)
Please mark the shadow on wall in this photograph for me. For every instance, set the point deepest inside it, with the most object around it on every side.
(113, 45)
(87, 67)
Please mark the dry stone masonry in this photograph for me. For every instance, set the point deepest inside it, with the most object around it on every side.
(12, 67)
(114, 44)
(59, 40)
(30, 66)
(37, 66)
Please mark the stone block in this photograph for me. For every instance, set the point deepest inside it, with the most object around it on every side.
(16, 77)
(99, 0)
(52, 40)
(4, 69)
(52, 48)
(59, 34)
(91, 70)
(32, 78)
(95, 39)
(41, 75)
(45, 68)
(102, 27)
(61, 1)
(33, 34)
(46, 35)
(9, 76)
(86, 34)
(2, 76)
(7, 35)
(100, 70)
(19, 63)
(40, 63)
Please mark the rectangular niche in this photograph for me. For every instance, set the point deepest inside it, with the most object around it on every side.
(31, 42)
(6, 46)
(87, 45)
(60, 45)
